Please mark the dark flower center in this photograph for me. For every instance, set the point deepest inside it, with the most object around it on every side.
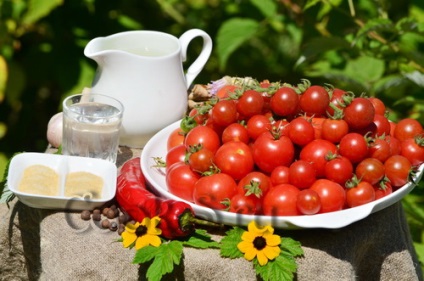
(259, 243)
(141, 230)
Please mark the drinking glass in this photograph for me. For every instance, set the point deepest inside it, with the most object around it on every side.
(91, 126)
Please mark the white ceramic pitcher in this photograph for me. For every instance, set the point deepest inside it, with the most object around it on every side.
(144, 70)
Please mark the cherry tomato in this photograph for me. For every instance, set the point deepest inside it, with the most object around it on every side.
(269, 152)
(308, 202)
(212, 191)
(201, 160)
(382, 125)
(250, 103)
(226, 91)
(337, 101)
(370, 170)
(175, 154)
(300, 131)
(285, 101)
(359, 113)
(281, 200)
(317, 124)
(254, 186)
(379, 149)
(378, 105)
(382, 189)
(302, 174)
(235, 132)
(334, 130)
(354, 147)
(203, 135)
(413, 149)
(258, 124)
(315, 152)
(241, 204)
(339, 170)
(235, 159)
(332, 195)
(314, 101)
(175, 138)
(407, 128)
(360, 194)
(398, 169)
(224, 113)
(199, 118)
(279, 175)
(180, 179)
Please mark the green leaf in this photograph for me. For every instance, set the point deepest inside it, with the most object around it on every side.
(267, 7)
(38, 9)
(164, 257)
(201, 239)
(229, 243)
(281, 268)
(292, 246)
(365, 69)
(231, 35)
(375, 25)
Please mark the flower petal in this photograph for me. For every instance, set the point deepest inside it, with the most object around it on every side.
(262, 259)
(131, 228)
(249, 236)
(154, 240)
(250, 255)
(141, 242)
(272, 240)
(271, 252)
(245, 246)
(128, 238)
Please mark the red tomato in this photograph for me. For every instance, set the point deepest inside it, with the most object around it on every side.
(317, 124)
(250, 103)
(175, 154)
(314, 101)
(332, 195)
(245, 205)
(254, 183)
(339, 169)
(413, 149)
(370, 170)
(203, 135)
(382, 125)
(235, 132)
(359, 113)
(334, 130)
(407, 128)
(360, 194)
(337, 101)
(300, 131)
(226, 91)
(281, 200)
(258, 124)
(394, 144)
(378, 105)
(382, 189)
(308, 202)
(379, 149)
(280, 175)
(201, 160)
(270, 152)
(398, 169)
(354, 147)
(212, 191)
(175, 138)
(180, 179)
(199, 118)
(315, 152)
(302, 174)
(285, 101)
(224, 113)
(235, 159)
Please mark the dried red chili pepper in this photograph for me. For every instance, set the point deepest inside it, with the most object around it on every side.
(132, 195)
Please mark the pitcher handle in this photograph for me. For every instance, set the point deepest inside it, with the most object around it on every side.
(203, 57)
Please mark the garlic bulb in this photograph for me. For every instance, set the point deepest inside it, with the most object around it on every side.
(54, 130)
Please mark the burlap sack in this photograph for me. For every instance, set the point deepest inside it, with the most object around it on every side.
(54, 245)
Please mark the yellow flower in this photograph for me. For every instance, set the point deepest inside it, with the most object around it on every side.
(260, 242)
(143, 234)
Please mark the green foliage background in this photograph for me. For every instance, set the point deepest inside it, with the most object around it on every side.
(373, 47)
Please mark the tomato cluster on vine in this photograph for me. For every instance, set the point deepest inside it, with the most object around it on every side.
(282, 150)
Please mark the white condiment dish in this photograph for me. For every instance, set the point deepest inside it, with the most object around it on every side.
(63, 165)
